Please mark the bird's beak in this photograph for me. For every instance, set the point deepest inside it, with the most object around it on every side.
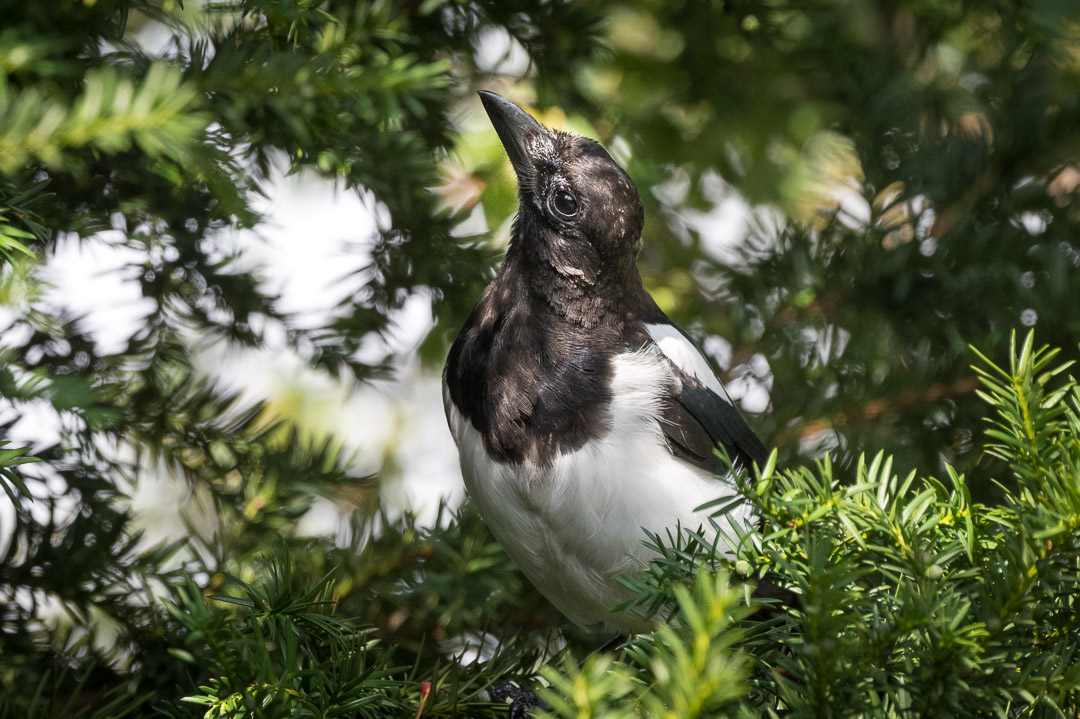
(517, 130)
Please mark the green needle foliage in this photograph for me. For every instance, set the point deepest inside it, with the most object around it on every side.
(155, 127)
(281, 649)
(285, 655)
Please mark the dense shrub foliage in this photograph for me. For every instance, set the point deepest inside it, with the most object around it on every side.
(899, 181)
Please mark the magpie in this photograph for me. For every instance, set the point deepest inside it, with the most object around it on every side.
(581, 412)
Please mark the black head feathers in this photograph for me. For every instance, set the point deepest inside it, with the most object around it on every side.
(580, 212)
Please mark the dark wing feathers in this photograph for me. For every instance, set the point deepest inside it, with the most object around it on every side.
(697, 418)
(721, 422)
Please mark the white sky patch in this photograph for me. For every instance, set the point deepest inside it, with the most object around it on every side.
(674, 190)
(499, 53)
(38, 426)
(1034, 223)
(95, 279)
(722, 229)
(407, 328)
(426, 452)
(7, 524)
(751, 384)
(719, 349)
(167, 508)
(314, 244)
(156, 39)
(853, 209)
(473, 225)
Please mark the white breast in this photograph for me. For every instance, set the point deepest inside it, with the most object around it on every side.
(573, 527)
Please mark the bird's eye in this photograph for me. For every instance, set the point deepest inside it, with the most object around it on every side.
(562, 204)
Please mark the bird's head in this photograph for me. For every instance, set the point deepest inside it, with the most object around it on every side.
(580, 213)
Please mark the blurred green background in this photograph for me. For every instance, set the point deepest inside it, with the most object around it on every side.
(841, 197)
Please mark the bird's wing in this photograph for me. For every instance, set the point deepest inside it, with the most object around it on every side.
(701, 415)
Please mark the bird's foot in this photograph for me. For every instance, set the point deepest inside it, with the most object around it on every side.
(522, 701)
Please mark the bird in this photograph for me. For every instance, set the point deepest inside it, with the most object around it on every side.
(582, 413)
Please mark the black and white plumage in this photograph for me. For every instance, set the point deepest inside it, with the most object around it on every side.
(581, 412)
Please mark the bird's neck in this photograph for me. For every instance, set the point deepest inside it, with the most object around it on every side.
(574, 299)
(565, 278)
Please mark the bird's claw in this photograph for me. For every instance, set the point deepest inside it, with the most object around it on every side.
(522, 701)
